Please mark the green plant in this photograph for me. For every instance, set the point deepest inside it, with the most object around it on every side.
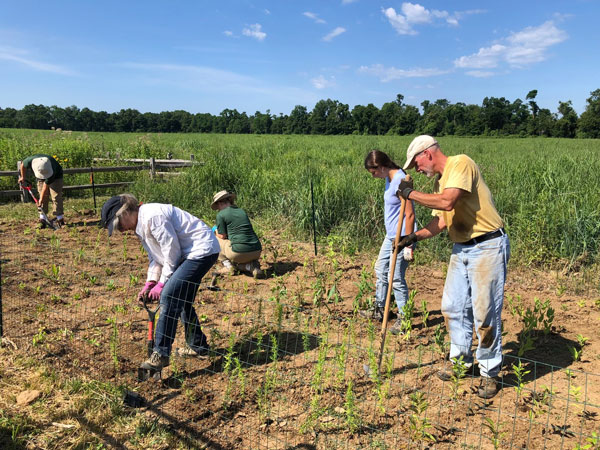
(39, 337)
(418, 422)
(111, 285)
(582, 341)
(593, 443)
(496, 434)
(353, 420)
(440, 339)
(459, 370)
(575, 353)
(520, 372)
(114, 342)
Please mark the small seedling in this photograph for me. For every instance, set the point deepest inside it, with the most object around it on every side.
(520, 372)
(494, 428)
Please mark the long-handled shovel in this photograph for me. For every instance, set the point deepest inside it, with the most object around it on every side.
(145, 374)
(391, 279)
(43, 215)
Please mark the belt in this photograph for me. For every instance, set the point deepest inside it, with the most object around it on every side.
(485, 237)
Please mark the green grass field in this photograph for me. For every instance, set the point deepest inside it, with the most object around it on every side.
(545, 189)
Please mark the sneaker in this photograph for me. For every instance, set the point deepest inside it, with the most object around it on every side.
(59, 223)
(155, 362)
(396, 329)
(188, 351)
(487, 388)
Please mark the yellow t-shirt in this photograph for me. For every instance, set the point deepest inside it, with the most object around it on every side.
(474, 213)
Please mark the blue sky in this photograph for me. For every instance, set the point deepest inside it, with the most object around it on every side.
(205, 56)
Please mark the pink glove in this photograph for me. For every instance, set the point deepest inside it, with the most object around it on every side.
(146, 289)
(155, 292)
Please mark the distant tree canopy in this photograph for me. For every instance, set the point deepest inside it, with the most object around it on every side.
(494, 117)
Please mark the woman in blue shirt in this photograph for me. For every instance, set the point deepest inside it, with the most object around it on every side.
(380, 165)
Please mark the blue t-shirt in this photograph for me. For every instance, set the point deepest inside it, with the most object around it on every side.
(391, 206)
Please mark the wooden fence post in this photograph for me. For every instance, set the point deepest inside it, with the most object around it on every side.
(152, 168)
(20, 187)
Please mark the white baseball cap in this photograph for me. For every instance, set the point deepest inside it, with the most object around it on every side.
(42, 169)
(417, 145)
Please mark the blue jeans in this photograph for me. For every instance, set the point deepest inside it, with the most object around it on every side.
(177, 301)
(473, 295)
(382, 269)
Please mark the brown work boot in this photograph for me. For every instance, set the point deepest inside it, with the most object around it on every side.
(487, 388)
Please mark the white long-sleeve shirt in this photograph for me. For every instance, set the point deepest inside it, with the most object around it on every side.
(171, 235)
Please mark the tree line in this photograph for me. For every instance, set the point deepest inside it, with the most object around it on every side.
(494, 117)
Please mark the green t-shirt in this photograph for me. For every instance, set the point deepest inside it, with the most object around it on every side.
(234, 222)
(57, 171)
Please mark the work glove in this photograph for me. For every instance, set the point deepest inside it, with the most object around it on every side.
(154, 293)
(407, 241)
(408, 254)
(404, 188)
(146, 289)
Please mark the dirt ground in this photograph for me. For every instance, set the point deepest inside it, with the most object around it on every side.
(292, 364)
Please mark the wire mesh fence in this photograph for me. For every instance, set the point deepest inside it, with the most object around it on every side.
(282, 372)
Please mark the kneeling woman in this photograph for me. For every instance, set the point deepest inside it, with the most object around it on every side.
(181, 249)
(239, 243)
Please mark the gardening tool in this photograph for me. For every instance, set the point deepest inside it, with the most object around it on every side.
(43, 215)
(146, 374)
(391, 278)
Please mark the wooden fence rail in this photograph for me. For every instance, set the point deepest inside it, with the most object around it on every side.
(152, 166)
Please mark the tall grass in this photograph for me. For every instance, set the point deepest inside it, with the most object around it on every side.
(545, 189)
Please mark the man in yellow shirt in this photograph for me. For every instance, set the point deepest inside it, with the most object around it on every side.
(474, 289)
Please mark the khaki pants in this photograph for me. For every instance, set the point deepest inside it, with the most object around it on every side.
(240, 258)
(56, 188)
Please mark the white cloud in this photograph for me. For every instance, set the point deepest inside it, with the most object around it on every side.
(255, 31)
(414, 14)
(321, 82)
(347, 2)
(20, 56)
(313, 16)
(480, 73)
(334, 33)
(386, 74)
(228, 33)
(520, 49)
(267, 12)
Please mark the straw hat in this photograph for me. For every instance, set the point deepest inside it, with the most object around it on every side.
(220, 196)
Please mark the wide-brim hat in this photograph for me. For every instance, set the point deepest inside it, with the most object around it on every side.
(417, 145)
(220, 196)
(42, 168)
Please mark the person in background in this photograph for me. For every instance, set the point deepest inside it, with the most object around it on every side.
(181, 249)
(474, 290)
(380, 165)
(239, 243)
(49, 175)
